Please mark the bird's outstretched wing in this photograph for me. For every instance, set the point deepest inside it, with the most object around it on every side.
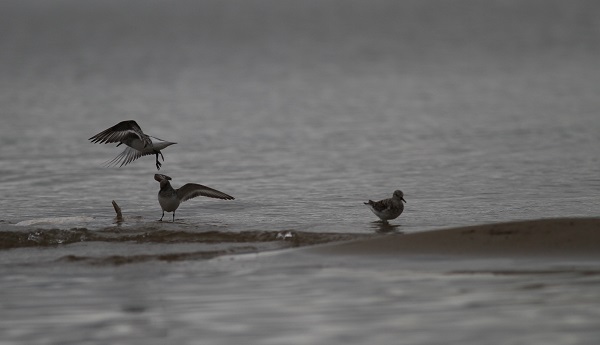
(119, 133)
(127, 156)
(192, 190)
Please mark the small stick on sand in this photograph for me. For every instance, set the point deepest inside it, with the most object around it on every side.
(119, 217)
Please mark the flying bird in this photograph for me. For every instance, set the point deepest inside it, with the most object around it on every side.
(170, 199)
(138, 143)
(387, 209)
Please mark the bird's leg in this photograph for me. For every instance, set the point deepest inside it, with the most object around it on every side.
(173, 216)
(161, 155)
(157, 162)
(160, 220)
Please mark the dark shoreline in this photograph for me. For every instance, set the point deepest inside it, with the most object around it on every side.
(542, 238)
(570, 237)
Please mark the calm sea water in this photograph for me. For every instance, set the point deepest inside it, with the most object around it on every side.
(479, 111)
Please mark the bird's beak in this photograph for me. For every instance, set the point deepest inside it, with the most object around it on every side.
(160, 177)
(403, 200)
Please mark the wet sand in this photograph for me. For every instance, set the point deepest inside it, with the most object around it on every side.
(564, 237)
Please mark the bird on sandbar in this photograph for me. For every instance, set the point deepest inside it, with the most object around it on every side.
(138, 143)
(170, 199)
(388, 209)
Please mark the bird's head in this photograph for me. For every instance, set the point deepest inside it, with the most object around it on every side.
(161, 177)
(399, 195)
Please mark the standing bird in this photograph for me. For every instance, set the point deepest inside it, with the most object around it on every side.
(387, 209)
(169, 198)
(139, 144)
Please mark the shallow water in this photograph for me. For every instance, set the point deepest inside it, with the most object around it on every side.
(479, 112)
(296, 298)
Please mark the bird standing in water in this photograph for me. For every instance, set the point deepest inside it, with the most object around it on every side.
(170, 199)
(387, 209)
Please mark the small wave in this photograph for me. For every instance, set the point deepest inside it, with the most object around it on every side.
(167, 257)
(52, 237)
(56, 221)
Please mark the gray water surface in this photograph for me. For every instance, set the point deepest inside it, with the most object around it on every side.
(479, 111)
